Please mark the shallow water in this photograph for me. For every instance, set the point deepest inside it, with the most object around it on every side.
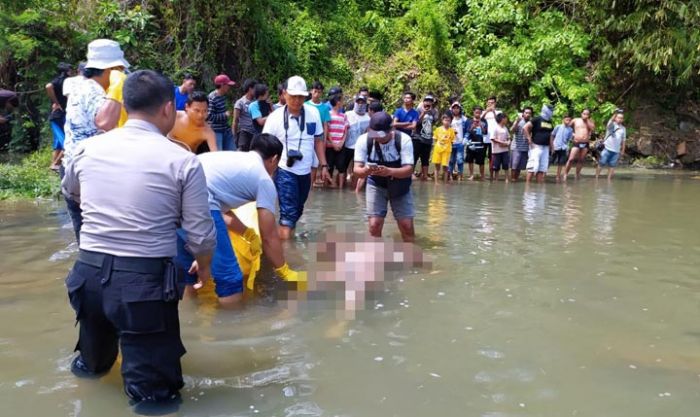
(556, 300)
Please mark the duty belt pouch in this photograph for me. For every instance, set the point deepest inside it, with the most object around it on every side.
(172, 288)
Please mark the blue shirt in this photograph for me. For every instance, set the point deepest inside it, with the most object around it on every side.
(180, 99)
(562, 137)
(323, 110)
(406, 116)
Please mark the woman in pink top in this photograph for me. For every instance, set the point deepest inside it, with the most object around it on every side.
(337, 131)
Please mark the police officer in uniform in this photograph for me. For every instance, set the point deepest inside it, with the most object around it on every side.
(135, 187)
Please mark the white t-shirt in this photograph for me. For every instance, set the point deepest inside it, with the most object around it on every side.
(70, 83)
(490, 118)
(237, 178)
(388, 149)
(358, 126)
(458, 126)
(296, 140)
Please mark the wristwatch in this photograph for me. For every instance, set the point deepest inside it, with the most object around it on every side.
(324, 166)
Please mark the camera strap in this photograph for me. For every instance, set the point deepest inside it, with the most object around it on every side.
(301, 124)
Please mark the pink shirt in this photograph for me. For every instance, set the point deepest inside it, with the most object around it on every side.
(336, 128)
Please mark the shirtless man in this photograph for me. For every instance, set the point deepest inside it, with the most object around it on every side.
(191, 128)
(583, 129)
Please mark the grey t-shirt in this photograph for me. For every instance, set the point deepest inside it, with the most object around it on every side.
(237, 178)
(245, 122)
(616, 134)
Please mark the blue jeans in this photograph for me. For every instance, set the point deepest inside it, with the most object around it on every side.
(225, 140)
(224, 264)
(457, 157)
(292, 192)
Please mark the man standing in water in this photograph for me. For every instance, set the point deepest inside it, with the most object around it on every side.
(538, 132)
(583, 129)
(615, 136)
(191, 128)
(520, 147)
(134, 186)
(298, 126)
(385, 156)
(489, 117)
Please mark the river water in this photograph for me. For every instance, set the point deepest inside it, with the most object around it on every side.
(557, 300)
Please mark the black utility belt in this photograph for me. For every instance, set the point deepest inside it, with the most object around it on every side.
(125, 263)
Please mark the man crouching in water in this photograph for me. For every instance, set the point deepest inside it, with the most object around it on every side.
(234, 179)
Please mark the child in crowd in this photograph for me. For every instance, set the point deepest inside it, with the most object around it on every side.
(337, 132)
(561, 137)
(474, 131)
(457, 155)
(500, 141)
(444, 137)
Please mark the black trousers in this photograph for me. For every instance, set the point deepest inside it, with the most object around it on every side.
(121, 300)
(243, 140)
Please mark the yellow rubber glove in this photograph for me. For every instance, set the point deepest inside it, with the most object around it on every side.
(114, 92)
(254, 240)
(290, 275)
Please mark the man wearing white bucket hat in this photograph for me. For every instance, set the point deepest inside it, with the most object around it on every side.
(94, 105)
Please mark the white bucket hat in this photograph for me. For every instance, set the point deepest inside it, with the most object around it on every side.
(105, 53)
(296, 86)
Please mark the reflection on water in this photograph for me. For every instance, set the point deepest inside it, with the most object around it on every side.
(556, 300)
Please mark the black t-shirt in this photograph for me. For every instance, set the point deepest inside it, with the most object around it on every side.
(58, 90)
(541, 131)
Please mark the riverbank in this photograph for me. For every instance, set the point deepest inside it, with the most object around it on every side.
(28, 176)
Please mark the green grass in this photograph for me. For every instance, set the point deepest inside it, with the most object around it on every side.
(28, 177)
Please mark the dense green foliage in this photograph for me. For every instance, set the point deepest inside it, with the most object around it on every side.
(28, 177)
(574, 53)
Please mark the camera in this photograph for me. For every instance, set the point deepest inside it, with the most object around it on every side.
(293, 156)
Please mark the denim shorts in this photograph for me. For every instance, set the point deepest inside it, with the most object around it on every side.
(378, 201)
(518, 160)
(225, 271)
(292, 192)
(608, 158)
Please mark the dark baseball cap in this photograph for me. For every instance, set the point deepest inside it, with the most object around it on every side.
(335, 90)
(379, 125)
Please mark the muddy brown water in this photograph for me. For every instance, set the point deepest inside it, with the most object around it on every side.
(558, 300)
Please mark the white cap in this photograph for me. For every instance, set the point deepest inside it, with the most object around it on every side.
(296, 86)
(105, 53)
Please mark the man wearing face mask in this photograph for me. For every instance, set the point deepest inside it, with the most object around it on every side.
(358, 119)
(538, 132)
